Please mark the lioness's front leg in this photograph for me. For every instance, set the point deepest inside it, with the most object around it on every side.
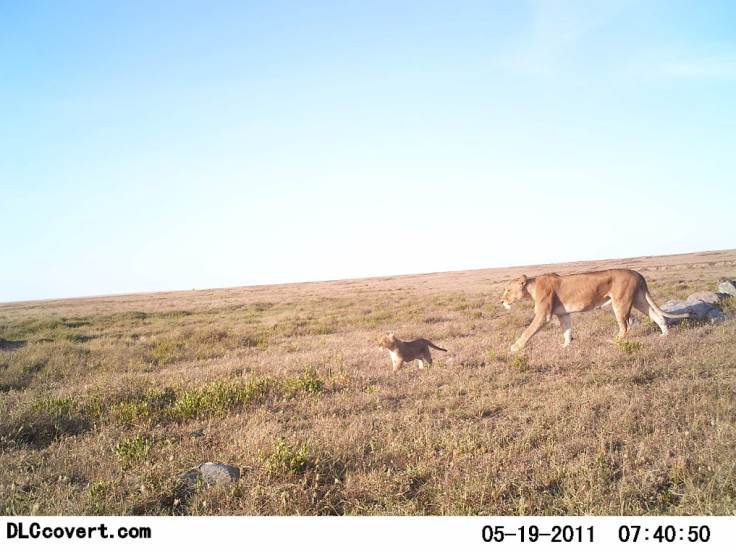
(566, 325)
(537, 324)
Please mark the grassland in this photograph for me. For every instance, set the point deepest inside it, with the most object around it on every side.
(104, 401)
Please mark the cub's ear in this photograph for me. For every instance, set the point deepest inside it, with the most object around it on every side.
(390, 334)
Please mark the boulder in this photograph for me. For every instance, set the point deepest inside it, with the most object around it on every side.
(727, 286)
(700, 310)
(707, 297)
(211, 473)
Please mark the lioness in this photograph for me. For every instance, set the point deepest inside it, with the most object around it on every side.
(560, 295)
(407, 351)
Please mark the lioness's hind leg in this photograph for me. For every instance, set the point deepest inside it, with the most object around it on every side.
(428, 358)
(641, 305)
(566, 325)
(622, 317)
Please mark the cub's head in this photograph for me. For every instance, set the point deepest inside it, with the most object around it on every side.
(515, 291)
(386, 341)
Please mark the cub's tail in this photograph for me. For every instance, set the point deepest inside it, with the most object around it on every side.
(434, 346)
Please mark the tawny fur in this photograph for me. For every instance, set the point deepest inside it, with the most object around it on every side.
(556, 295)
(407, 351)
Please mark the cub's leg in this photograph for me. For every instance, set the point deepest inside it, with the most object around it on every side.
(566, 325)
(396, 360)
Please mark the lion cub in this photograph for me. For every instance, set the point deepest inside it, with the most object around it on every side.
(407, 351)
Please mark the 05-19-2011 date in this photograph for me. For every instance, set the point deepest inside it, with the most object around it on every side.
(532, 533)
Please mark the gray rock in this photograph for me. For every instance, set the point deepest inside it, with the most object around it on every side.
(706, 296)
(727, 286)
(699, 309)
(211, 473)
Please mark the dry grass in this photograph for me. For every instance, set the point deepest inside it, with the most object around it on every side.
(103, 401)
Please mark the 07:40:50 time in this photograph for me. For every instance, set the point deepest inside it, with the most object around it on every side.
(664, 533)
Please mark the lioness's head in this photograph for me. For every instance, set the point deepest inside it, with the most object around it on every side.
(515, 291)
(386, 341)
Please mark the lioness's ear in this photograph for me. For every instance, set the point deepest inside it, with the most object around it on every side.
(522, 281)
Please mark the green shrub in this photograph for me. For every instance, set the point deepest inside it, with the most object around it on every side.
(287, 459)
(520, 362)
(218, 398)
(628, 347)
(309, 382)
(167, 352)
(56, 406)
(99, 493)
(132, 450)
(145, 409)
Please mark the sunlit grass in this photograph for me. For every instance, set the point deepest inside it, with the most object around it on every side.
(287, 383)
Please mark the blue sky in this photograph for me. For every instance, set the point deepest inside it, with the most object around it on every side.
(151, 146)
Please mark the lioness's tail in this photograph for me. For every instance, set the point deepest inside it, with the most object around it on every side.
(660, 312)
(434, 346)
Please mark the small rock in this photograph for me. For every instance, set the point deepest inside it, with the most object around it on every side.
(727, 286)
(212, 473)
(190, 476)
